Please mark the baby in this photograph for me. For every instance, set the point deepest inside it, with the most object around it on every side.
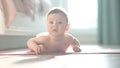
(56, 39)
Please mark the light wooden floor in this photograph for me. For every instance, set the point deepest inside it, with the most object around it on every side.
(72, 60)
(61, 61)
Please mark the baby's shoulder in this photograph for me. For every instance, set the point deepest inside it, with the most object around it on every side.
(43, 34)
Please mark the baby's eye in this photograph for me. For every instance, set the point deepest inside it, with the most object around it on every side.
(59, 22)
(51, 22)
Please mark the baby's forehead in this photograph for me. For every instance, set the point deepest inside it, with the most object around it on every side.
(57, 15)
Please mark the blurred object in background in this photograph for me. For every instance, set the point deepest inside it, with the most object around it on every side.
(2, 26)
(9, 11)
(19, 15)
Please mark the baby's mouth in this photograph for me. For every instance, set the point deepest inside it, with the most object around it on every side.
(54, 30)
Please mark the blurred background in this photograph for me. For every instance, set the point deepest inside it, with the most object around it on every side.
(93, 22)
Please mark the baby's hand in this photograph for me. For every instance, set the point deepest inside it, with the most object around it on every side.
(76, 49)
(37, 49)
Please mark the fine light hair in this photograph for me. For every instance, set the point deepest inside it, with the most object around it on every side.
(56, 10)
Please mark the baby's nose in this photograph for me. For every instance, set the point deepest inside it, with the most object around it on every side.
(54, 23)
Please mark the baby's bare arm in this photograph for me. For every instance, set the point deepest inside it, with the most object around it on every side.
(75, 44)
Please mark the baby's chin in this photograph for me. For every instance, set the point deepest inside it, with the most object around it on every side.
(55, 34)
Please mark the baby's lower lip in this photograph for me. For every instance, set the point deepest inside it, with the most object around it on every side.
(55, 30)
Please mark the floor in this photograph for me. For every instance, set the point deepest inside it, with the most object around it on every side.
(60, 60)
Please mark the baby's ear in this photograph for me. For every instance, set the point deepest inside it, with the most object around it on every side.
(67, 27)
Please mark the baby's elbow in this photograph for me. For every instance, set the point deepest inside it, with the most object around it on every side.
(29, 42)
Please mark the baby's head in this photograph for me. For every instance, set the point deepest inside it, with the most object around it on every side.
(58, 10)
(57, 21)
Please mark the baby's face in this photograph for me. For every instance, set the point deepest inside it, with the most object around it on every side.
(56, 24)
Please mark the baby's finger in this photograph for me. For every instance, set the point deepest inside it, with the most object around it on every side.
(36, 51)
(39, 50)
